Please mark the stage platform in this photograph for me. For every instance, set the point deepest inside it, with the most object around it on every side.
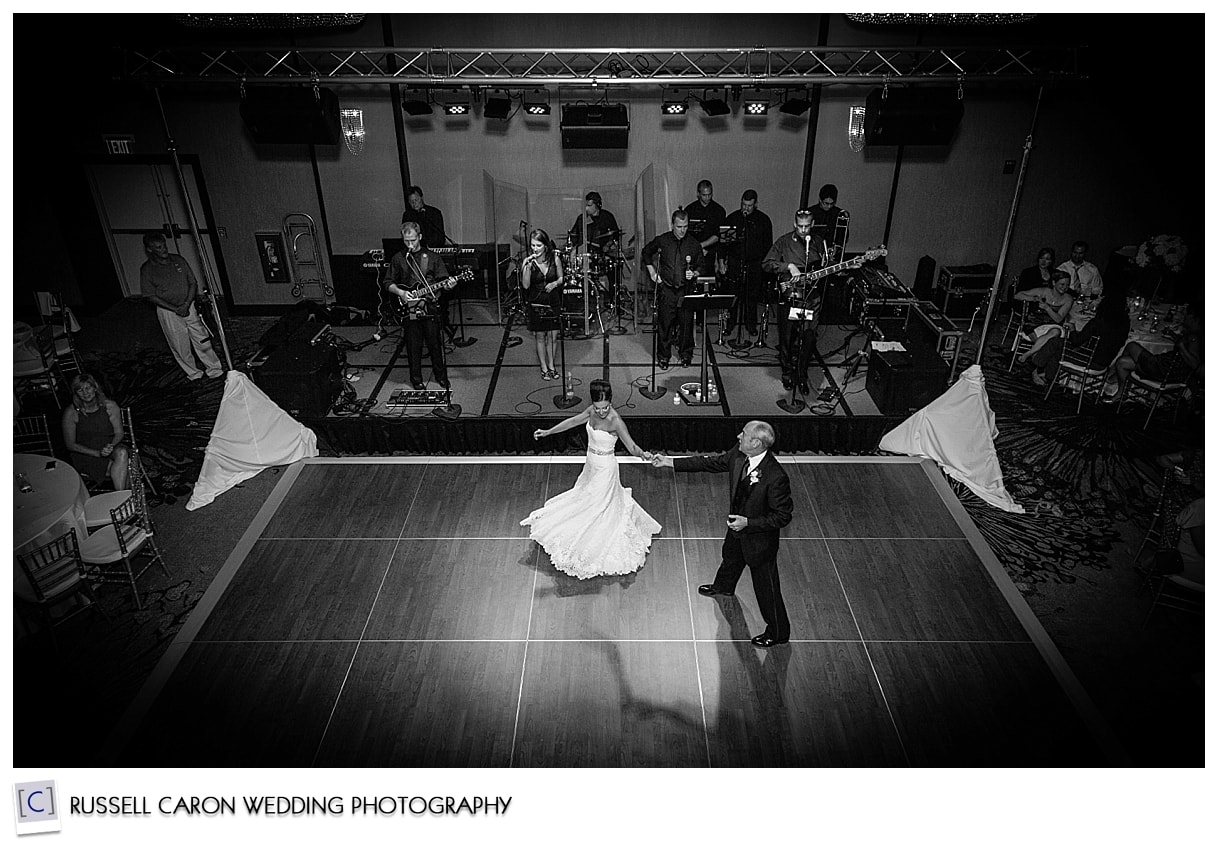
(497, 385)
(392, 612)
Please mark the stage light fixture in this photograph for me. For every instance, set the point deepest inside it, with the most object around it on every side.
(674, 105)
(756, 104)
(796, 105)
(537, 103)
(714, 107)
(418, 107)
(497, 107)
(458, 104)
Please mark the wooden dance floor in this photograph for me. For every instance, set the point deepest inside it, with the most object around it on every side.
(392, 612)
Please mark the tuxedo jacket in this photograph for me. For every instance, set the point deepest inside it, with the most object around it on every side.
(766, 503)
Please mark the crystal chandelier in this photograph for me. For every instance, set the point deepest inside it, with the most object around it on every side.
(941, 18)
(352, 122)
(855, 130)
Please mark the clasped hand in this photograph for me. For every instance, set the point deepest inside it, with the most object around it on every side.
(659, 460)
(737, 522)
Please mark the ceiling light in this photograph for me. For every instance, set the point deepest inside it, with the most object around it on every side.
(714, 107)
(496, 107)
(756, 106)
(674, 106)
(457, 103)
(416, 107)
(796, 105)
(456, 108)
(534, 105)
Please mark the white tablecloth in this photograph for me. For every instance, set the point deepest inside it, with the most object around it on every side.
(56, 505)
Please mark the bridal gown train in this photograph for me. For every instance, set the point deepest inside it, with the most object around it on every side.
(596, 528)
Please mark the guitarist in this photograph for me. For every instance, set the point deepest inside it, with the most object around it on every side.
(414, 271)
(794, 254)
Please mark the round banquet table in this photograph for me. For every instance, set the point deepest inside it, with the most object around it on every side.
(56, 505)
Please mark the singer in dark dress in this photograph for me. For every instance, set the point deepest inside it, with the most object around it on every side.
(541, 276)
(799, 251)
(760, 507)
(672, 261)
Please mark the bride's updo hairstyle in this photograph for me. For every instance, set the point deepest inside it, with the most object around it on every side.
(600, 390)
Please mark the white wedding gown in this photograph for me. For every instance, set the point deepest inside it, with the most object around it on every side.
(596, 528)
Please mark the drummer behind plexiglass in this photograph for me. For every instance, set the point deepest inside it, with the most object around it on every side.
(602, 226)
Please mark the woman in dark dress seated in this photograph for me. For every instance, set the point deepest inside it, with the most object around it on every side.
(1039, 274)
(541, 276)
(92, 430)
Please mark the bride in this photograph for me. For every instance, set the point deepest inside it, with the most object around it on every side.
(596, 528)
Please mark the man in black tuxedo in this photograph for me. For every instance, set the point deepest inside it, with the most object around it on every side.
(761, 506)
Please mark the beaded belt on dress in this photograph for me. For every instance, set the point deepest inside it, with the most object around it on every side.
(593, 450)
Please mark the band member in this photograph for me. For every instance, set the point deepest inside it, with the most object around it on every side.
(602, 225)
(830, 221)
(541, 276)
(705, 217)
(429, 219)
(677, 256)
(750, 240)
(417, 276)
(791, 256)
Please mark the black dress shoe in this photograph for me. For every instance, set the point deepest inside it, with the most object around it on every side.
(804, 388)
(444, 384)
(765, 641)
(786, 382)
(664, 365)
(417, 385)
(711, 590)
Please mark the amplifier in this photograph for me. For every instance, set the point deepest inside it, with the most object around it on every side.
(902, 382)
(420, 397)
(303, 379)
(928, 324)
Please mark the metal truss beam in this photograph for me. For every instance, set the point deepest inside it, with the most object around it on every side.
(751, 66)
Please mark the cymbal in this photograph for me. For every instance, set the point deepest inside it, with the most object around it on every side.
(617, 232)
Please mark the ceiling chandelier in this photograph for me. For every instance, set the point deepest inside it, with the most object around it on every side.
(941, 18)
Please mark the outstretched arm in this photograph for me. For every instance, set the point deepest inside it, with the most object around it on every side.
(565, 424)
(624, 435)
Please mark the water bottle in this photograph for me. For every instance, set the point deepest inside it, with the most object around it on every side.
(714, 392)
(23, 483)
(676, 398)
(570, 391)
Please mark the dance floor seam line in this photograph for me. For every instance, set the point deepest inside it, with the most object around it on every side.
(528, 633)
(866, 650)
(689, 600)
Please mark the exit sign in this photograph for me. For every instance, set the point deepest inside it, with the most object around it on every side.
(119, 144)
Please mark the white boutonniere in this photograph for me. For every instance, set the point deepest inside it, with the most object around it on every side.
(754, 476)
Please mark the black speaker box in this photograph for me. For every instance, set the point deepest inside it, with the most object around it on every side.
(924, 278)
(303, 379)
(912, 117)
(594, 127)
(291, 114)
(902, 382)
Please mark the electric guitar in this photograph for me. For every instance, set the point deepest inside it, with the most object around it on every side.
(799, 285)
(416, 307)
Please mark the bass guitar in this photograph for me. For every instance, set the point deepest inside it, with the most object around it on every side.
(799, 286)
(416, 306)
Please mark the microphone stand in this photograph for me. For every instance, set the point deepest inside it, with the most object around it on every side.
(742, 301)
(654, 392)
(463, 341)
(566, 398)
(798, 336)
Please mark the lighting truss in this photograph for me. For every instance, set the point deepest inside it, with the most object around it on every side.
(751, 66)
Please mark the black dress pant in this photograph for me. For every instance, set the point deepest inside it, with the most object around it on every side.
(419, 331)
(796, 341)
(675, 325)
(748, 285)
(765, 585)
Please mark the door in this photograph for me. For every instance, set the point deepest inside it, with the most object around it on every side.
(141, 195)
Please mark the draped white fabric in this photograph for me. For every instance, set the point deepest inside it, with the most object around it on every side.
(957, 430)
(251, 433)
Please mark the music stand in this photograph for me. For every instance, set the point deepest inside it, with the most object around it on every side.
(704, 303)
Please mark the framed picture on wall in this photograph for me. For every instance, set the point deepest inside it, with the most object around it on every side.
(272, 256)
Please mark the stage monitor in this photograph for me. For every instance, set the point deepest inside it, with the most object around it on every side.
(594, 126)
(912, 116)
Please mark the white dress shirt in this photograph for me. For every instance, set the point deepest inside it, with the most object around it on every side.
(1084, 278)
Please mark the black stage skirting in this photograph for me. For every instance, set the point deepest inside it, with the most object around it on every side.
(427, 435)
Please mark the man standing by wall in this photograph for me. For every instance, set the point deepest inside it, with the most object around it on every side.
(429, 219)
(168, 282)
(705, 217)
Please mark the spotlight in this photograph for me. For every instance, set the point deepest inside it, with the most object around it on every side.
(756, 105)
(714, 107)
(535, 106)
(795, 105)
(673, 106)
(496, 107)
(456, 108)
(416, 107)
(457, 103)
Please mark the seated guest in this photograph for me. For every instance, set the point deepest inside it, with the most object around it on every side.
(1154, 366)
(1191, 545)
(1053, 303)
(1110, 324)
(1084, 275)
(1040, 274)
(92, 430)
